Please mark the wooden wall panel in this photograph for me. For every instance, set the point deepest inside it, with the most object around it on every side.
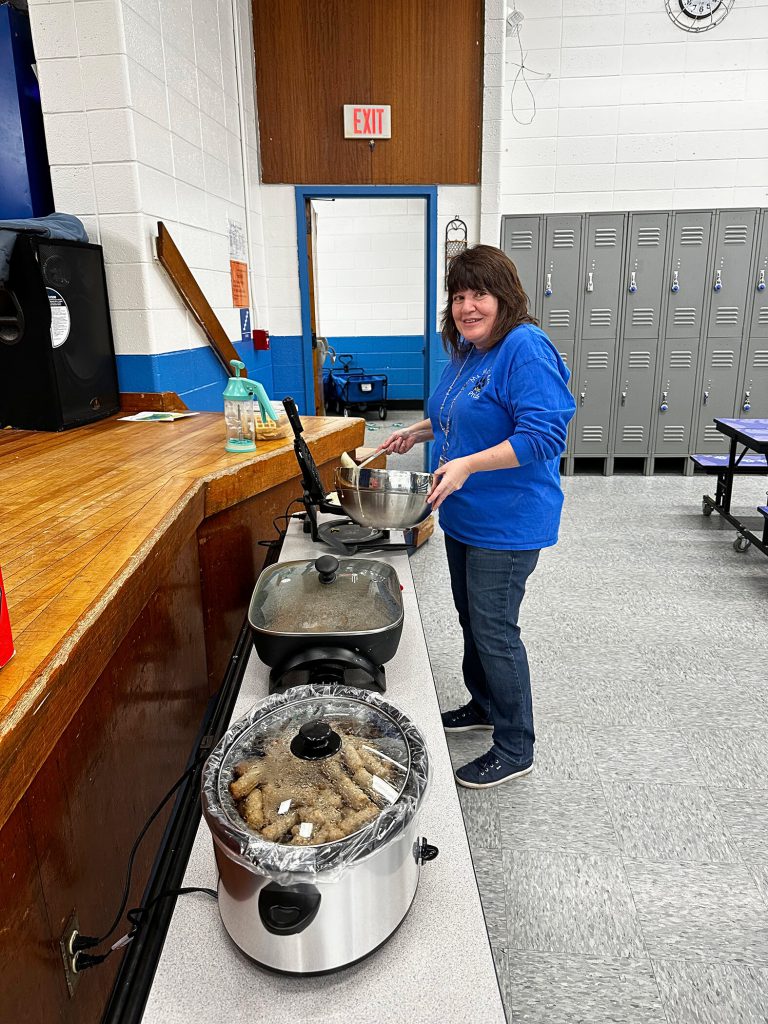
(424, 59)
(427, 62)
(311, 57)
(126, 745)
(32, 985)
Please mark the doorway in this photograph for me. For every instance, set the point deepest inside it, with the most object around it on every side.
(428, 372)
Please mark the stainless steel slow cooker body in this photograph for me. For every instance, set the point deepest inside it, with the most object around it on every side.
(314, 909)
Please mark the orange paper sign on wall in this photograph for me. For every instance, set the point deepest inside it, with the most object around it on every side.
(6, 640)
(239, 273)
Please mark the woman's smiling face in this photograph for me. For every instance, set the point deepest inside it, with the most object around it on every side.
(474, 313)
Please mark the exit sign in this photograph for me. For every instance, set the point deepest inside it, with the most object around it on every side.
(367, 121)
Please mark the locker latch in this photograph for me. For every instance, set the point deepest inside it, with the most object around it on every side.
(718, 281)
(548, 286)
(761, 281)
(583, 394)
(632, 283)
(590, 282)
(706, 397)
(624, 393)
(664, 403)
(675, 282)
(746, 405)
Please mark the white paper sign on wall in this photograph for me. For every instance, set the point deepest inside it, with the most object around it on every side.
(367, 121)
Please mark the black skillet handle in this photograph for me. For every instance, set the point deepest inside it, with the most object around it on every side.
(293, 415)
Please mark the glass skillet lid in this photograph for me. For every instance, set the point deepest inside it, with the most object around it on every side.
(315, 771)
(328, 595)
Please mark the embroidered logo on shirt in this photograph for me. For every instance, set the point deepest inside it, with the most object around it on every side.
(477, 387)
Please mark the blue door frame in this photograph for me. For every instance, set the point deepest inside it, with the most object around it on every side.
(427, 192)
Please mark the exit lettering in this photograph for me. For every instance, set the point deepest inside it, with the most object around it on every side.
(367, 121)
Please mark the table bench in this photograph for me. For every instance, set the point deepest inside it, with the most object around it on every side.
(752, 436)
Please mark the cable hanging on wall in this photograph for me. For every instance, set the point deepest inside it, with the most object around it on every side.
(521, 85)
(455, 241)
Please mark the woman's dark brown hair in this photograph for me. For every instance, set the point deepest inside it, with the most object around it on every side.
(483, 268)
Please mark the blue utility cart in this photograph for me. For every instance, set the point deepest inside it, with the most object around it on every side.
(351, 389)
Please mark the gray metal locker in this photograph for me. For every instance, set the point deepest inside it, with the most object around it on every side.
(559, 287)
(641, 322)
(752, 399)
(684, 283)
(729, 283)
(521, 241)
(600, 282)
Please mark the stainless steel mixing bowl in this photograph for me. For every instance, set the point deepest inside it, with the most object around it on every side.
(385, 499)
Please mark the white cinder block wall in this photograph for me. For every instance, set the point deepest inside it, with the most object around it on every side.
(636, 114)
(370, 266)
(143, 120)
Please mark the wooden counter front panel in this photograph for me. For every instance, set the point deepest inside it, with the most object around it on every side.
(126, 745)
(231, 559)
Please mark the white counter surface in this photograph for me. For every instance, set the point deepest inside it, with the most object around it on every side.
(437, 968)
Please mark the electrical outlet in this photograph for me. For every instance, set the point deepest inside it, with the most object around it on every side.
(68, 954)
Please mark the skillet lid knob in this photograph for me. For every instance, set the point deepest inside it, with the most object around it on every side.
(327, 566)
(315, 740)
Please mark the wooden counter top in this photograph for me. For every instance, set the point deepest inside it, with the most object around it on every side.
(89, 516)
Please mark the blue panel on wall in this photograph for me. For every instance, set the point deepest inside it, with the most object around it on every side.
(25, 179)
(194, 374)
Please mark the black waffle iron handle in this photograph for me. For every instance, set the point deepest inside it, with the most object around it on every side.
(313, 485)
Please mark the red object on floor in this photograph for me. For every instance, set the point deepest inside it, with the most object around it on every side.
(7, 649)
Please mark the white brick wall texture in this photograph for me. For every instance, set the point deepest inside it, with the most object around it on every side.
(636, 114)
(142, 117)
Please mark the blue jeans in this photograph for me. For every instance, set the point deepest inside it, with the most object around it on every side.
(488, 588)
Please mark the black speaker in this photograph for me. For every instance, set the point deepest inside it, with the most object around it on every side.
(57, 358)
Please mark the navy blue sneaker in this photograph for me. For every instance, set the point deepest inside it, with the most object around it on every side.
(489, 770)
(464, 720)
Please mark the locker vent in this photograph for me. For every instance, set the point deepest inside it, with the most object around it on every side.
(685, 316)
(633, 434)
(761, 357)
(559, 318)
(600, 317)
(727, 315)
(722, 357)
(762, 317)
(642, 317)
(605, 237)
(639, 360)
(649, 236)
(563, 238)
(564, 357)
(674, 433)
(693, 235)
(711, 433)
(521, 240)
(592, 434)
(736, 234)
(680, 360)
(597, 360)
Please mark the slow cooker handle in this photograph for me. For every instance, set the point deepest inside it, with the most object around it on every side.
(424, 851)
(288, 910)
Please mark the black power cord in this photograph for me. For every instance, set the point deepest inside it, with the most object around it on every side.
(81, 942)
(287, 516)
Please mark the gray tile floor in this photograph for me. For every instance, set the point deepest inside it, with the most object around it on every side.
(626, 879)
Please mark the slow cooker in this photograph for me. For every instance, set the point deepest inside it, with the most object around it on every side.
(313, 800)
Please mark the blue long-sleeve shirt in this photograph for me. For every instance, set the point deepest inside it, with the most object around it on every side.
(516, 391)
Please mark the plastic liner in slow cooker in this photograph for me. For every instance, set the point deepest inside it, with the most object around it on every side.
(275, 724)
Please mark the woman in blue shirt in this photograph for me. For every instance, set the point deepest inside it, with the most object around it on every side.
(499, 418)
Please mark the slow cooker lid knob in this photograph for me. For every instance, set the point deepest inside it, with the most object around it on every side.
(315, 740)
(327, 566)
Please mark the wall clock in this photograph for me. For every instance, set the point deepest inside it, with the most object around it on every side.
(698, 15)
